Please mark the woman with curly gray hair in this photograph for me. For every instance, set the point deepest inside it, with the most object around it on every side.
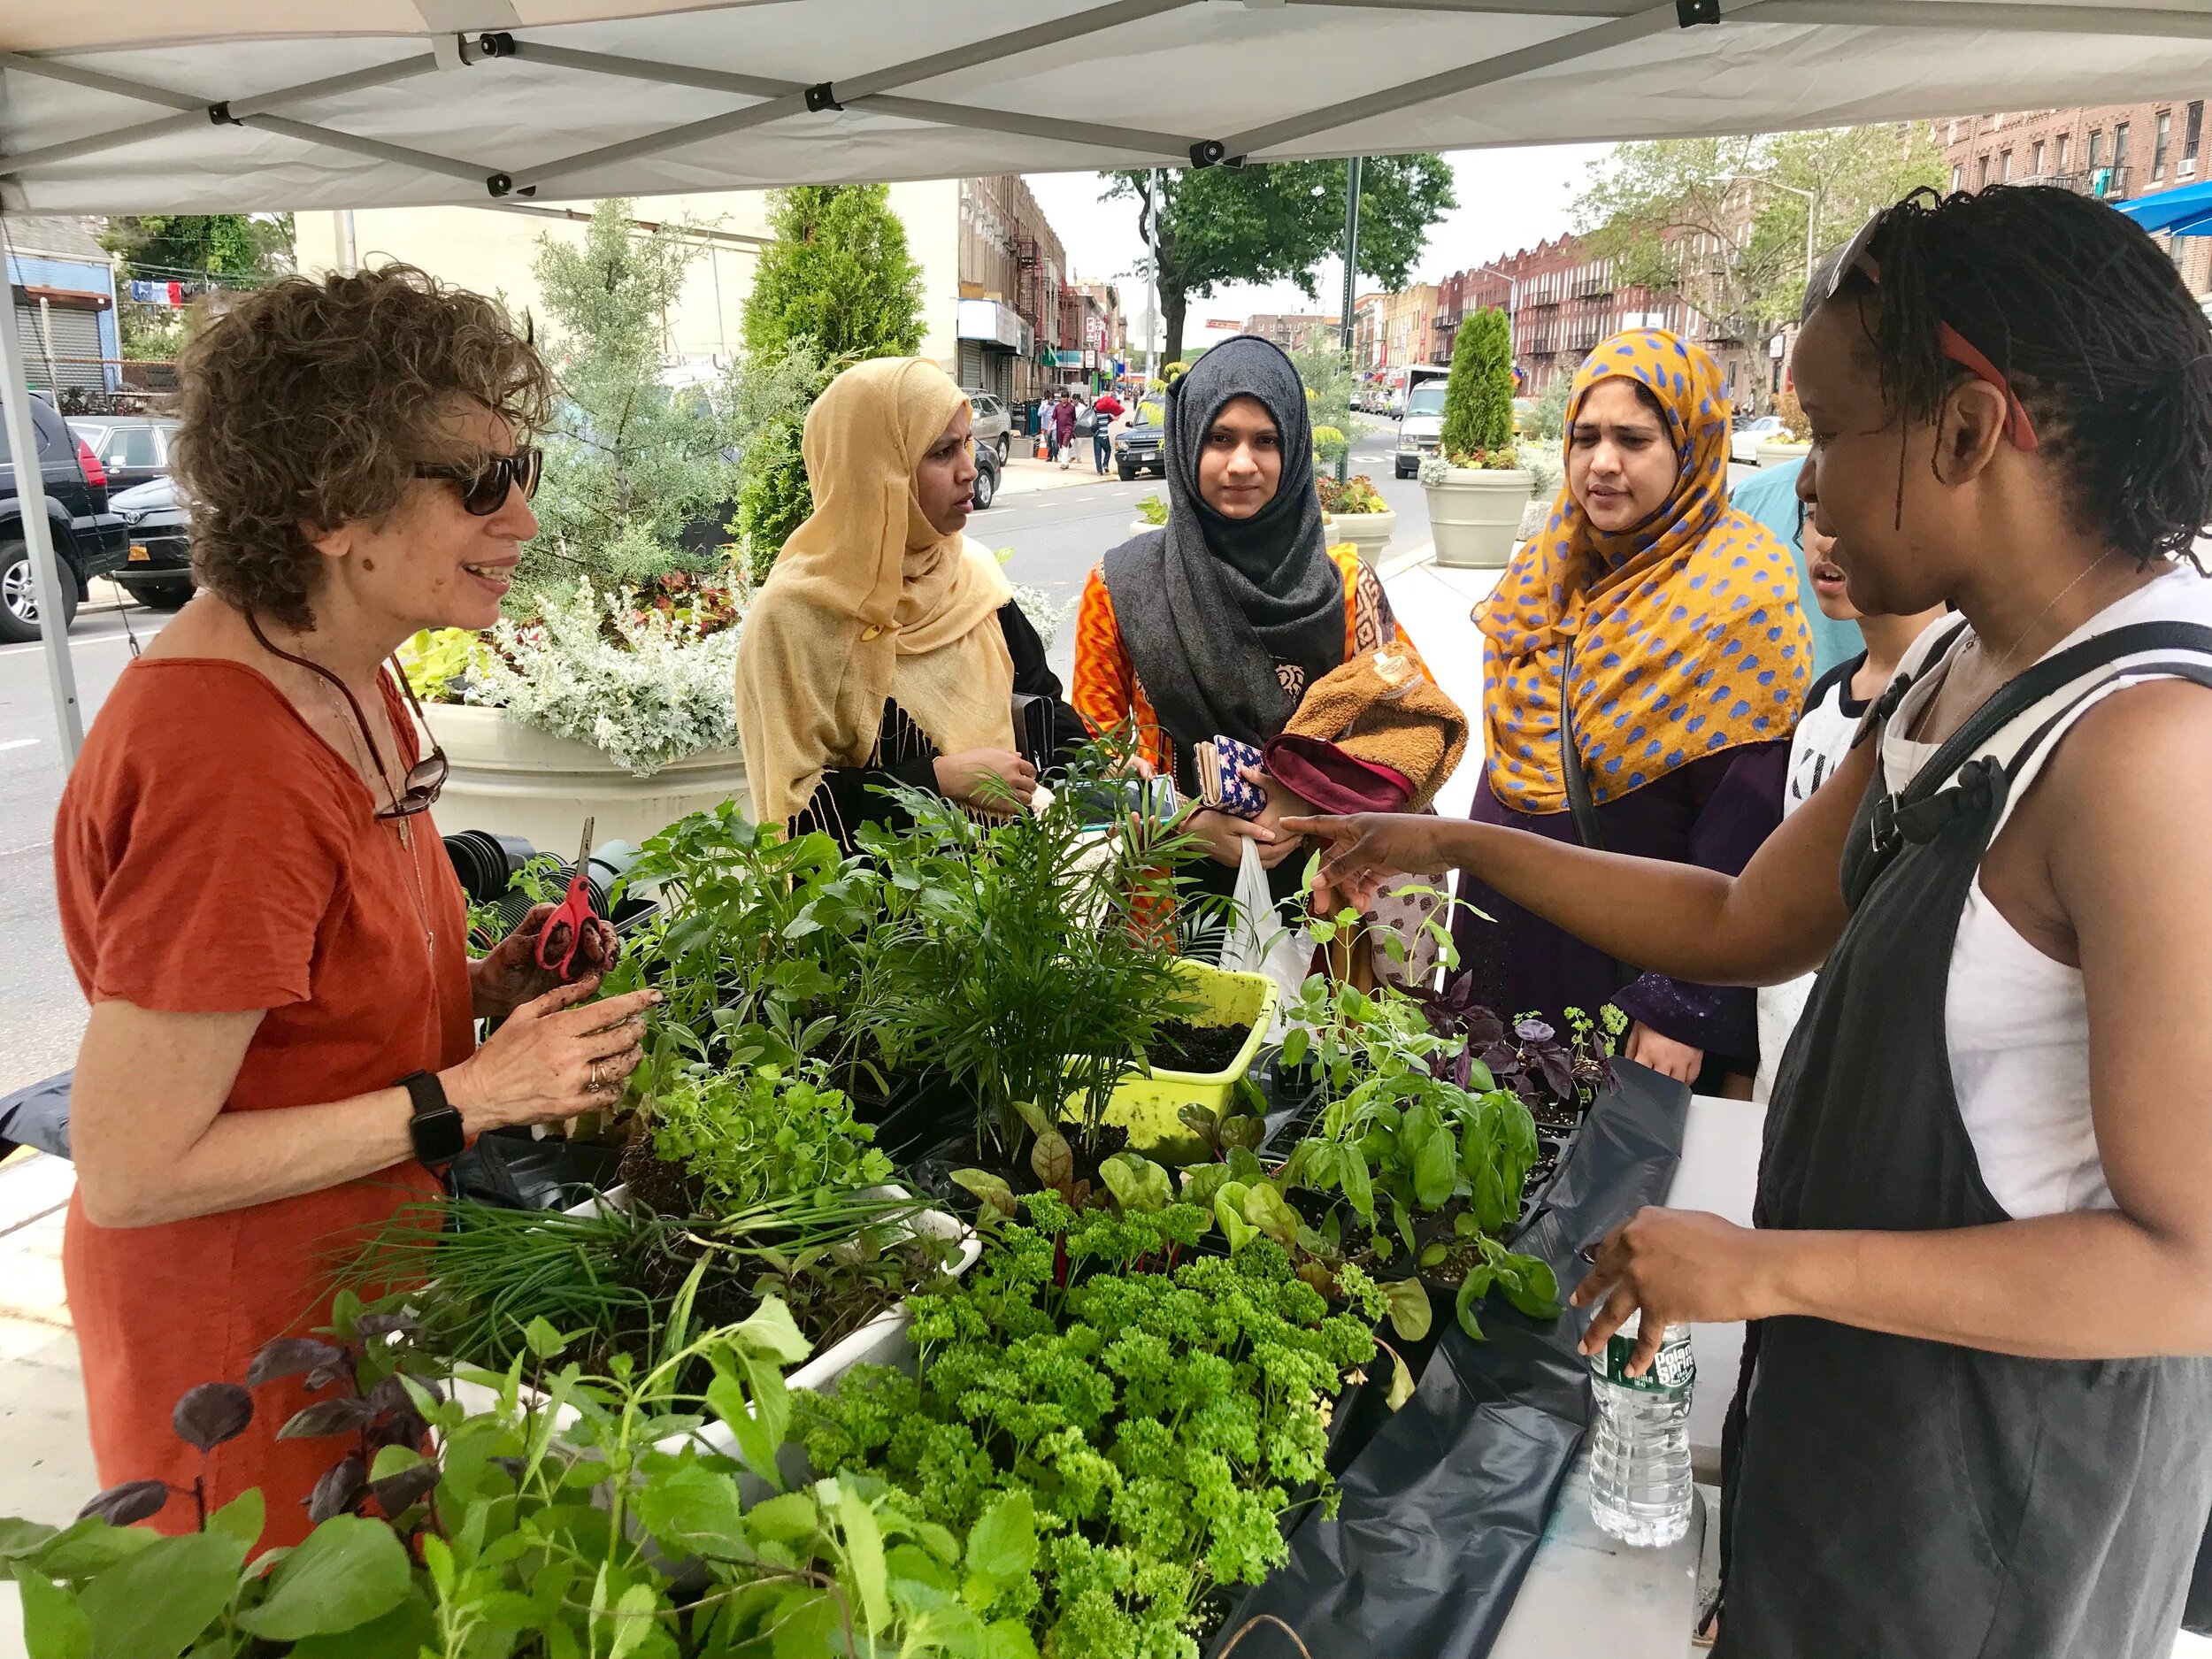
(280, 1051)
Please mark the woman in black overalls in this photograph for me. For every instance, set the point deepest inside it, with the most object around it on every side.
(1960, 1433)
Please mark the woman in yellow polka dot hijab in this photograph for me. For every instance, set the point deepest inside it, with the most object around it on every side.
(1686, 634)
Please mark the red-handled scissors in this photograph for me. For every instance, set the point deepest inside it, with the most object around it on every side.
(574, 915)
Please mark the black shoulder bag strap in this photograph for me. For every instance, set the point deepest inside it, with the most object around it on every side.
(1579, 802)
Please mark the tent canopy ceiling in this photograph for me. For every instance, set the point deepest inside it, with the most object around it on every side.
(217, 105)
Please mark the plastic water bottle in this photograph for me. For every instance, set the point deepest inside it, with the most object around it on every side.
(1641, 1489)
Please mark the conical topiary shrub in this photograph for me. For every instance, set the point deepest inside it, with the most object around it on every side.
(1478, 397)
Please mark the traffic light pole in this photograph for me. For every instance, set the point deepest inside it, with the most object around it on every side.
(1352, 171)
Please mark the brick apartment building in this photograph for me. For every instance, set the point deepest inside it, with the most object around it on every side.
(2114, 153)
(1018, 314)
(1292, 331)
(1564, 301)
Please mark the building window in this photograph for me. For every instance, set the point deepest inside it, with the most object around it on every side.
(2191, 130)
(1958, 177)
(2120, 152)
(2158, 143)
(1983, 181)
(2058, 156)
(2004, 166)
(2036, 156)
(2096, 148)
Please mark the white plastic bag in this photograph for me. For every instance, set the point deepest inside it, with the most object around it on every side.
(1258, 942)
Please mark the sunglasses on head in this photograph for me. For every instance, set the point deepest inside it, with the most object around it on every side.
(1955, 346)
(484, 488)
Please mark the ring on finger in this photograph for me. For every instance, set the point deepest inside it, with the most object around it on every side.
(592, 1085)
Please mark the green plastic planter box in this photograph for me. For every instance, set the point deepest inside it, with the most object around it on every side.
(1148, 1106)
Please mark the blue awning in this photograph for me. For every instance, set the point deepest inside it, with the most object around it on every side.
(2184, 212)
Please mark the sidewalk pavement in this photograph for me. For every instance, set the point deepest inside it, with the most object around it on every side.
(46, 1470)
(1024, 474)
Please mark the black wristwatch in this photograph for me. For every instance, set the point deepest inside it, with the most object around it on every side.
(436, 1127)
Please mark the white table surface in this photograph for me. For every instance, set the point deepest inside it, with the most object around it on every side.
(1588, 1596)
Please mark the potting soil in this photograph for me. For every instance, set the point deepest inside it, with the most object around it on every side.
(1179, 1046)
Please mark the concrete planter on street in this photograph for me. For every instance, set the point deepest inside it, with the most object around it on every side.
(1475, 515)
(515, 779)
(1776, 454)
(1138, 526)
(1369, 532)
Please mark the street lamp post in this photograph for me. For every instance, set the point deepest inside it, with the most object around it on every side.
(1352, 171)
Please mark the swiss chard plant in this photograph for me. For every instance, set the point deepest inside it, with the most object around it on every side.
(502, 1540)
(1156, 1409)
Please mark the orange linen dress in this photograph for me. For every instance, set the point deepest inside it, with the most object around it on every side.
(213, 853)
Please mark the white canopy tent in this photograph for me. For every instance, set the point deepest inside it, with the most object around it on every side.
(227, 105)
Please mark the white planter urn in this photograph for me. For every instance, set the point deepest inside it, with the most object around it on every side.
(1475, 516)
(1138, 526)
(1776, 454)
(1369, 532)
(514, 780)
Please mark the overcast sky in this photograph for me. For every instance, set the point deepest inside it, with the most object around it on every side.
(1507, 199)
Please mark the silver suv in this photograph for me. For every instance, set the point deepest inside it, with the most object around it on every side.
(993, 427)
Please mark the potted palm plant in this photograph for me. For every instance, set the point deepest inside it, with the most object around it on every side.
(1476, 486)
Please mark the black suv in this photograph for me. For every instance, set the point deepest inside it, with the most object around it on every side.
(1138, 448)
(88, 538)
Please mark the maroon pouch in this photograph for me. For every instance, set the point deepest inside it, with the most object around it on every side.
(1335, 782)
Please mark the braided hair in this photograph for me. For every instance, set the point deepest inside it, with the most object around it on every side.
(2088, 320)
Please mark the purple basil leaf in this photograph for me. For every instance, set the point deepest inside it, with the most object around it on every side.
(1502, 1058)
(1484, 1028)
(342, 1416)
(397, 1493)
(133, 1501)
(339, 1370)
(390, 1394)
(210, 1414)
(339, 1490)
(375, 1325)
(1553, 1063)
(1533, 1031)
(405, 1427)
(289, 1356)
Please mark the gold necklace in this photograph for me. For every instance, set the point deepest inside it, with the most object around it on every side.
(2005, 658)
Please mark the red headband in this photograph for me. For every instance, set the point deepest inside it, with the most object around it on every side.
(1969, 356)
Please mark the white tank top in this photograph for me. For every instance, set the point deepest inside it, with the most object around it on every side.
(2017, 1023)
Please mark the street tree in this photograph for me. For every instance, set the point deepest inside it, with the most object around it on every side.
(634, 467)
(837, 285)
(1479, 395)
(1276, 222)
(224, 249)
(1722, 221)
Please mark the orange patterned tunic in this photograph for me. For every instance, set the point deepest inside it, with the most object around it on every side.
(1108, 694)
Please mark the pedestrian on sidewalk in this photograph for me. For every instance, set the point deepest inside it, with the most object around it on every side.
(280, 1053)
(1064, 430)
(1078, 429)
(1970, 1416)
(1104, 413)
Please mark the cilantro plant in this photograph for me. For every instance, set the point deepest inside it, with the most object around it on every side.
(752, 1136)
(1158, 1411)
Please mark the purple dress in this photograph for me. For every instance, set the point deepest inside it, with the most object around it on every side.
(1715, 812)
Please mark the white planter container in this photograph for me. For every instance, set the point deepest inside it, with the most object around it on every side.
(882, 1341)
(1138, 526)
(1775, 454)
(1475, 516)
(514, 780)
(1369, 532)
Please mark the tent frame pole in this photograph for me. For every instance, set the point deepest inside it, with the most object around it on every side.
(38, 530)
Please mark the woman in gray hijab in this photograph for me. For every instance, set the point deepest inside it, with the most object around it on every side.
(1216, 625)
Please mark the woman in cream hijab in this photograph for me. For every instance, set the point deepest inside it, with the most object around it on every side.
(885, 648)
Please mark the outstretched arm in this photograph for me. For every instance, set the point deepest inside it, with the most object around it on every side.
(1772, 923)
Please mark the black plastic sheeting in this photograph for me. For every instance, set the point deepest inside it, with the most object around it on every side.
(1444, 1507)
(37, 1117)
(511, 1168)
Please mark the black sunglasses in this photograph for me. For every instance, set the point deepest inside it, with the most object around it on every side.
(484, 488)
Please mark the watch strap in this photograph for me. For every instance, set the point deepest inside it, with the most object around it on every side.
(436, 1127)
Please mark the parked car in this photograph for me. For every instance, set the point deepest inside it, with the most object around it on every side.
(990, 460)
(1137, 448)
(87, 536)
(133, 449)
(994, 426)
(157, 568)
(1421, 419)
(1743, 443)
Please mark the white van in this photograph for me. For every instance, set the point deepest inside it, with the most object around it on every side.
(1421, 423)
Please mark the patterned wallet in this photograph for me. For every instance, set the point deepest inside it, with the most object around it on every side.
(1220, 784)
